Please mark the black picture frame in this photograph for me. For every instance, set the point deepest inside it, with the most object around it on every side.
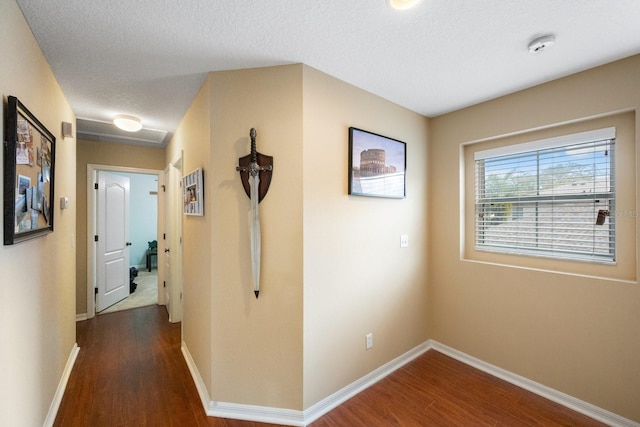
(29, 172)
(377, 165)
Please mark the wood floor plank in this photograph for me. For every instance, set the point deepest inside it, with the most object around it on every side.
(130, 372)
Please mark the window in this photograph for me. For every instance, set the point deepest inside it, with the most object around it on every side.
(552, 198)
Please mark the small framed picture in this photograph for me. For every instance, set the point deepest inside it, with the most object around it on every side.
(193, 201)
(377, 165)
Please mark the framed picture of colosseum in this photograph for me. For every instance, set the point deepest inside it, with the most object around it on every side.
(377, 165)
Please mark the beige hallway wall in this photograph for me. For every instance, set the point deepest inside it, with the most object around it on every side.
(257, 343)
(357, 278)
(192, 143)
(37, 288)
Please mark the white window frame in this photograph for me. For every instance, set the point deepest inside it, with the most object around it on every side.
(481, 201)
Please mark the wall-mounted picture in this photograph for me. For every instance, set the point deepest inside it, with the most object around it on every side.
(377, 165)
(29, 161)
(193, 200)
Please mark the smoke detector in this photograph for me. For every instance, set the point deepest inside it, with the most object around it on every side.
(541, 43)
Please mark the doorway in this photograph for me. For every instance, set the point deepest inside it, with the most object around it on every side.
(142, 269)
(140, 235)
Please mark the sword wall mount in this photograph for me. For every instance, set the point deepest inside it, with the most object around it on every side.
(254, 164)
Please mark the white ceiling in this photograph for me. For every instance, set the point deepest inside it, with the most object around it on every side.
(148, 58)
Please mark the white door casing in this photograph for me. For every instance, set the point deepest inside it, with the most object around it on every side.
(92, 247)
(112, 264)
(167, 233)
(172, 260)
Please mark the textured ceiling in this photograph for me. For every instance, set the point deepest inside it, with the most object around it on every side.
(149, 57)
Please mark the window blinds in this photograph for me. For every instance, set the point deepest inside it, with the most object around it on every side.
(554, 197)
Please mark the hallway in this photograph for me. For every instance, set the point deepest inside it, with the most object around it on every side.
(130, 372)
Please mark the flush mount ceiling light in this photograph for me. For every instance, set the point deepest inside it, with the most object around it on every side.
(403, 4)
(542, 43)
(128, 123)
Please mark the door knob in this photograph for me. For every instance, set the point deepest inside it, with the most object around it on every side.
(167, 250)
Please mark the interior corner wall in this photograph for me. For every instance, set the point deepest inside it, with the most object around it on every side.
(37, 289)
(357, 278)
(576, 334)
(256, 343)
(192, 142)
(342, 251)
(106, 154)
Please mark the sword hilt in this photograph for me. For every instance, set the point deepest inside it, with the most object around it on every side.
(254, 151)
(254, 168)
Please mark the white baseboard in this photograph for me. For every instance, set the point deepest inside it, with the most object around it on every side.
(553, 395)
(336, 399)
(62, 385)
(82, 316)
(291, 417)
(302, 418)
(195, 374)
(236, 411)
(262, 414)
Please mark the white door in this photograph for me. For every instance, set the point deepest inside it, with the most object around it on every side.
(112, 263)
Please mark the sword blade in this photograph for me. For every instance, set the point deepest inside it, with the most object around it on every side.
(254, 183)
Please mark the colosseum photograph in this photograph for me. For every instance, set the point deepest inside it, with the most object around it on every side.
(377, 165)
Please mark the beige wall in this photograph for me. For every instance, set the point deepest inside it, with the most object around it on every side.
(577, 334)
(37, 289)
(257, 343)
(247, 351)
(357, 279)
(192, 141)
(105, 154)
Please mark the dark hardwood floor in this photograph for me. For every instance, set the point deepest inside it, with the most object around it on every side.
(130, 372)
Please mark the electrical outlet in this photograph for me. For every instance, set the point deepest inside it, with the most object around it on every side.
(369, 341)
(404, 240)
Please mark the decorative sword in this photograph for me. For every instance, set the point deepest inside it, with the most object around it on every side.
(250, 176)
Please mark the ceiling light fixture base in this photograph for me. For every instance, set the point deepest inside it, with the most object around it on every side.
(127, 123)
(403, 4)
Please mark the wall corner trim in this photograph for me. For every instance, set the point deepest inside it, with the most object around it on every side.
(553, 395)
(62, 385)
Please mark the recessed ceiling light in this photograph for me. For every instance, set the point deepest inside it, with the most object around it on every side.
(542, 43)
(403, 4)
(128, 123)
